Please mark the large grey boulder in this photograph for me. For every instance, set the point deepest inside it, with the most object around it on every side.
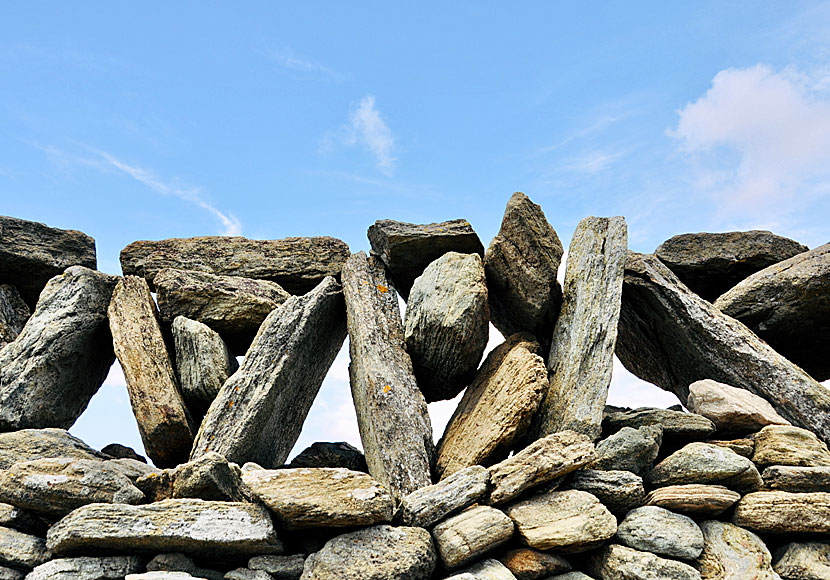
(406, 249)
(733, 553)
(376, 553)
(694, 499)
(671, 337)
(87, 568)
(192, 526)
(31, 253)
(60, 359)
(781, 512)
(296, 264)
(466, 537)
(431, 504)
(788, 305)
(325, 454)
(677, 426)
(391, 411)
(706, 464)
(787, 445)
(629, 449)
(731, 409)
(20, 550)
(28, 444)
(712, 263)
(530, 564)
(657, 530)
(796, 478)
(13, 314)
(615, 562)
(619, 491)
(521, 265)
(233, 306)
(803, 561)
(258, 413)
(163, 420)
(582, 347)
(496, 409)
(203, 363)
(445, 328)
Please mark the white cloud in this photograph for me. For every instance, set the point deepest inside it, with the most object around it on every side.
(591, 162)
(367, 128)
(286, 58)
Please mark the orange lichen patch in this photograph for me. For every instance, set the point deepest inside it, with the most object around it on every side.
(382, 289)
(230, 404)
(387, 388)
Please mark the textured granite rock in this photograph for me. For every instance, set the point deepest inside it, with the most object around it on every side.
(279, 567)
(694, 499)
(786, 445)
(259, 412)
(433, 503)
(210, 477)
(446, 324)
(581, 355)
(87, 568)
(796, 479)
(615, 562)
(657, 530)
(322, 454)
(496, 408)
(11, 574)
(807, 561)
(619, 491)
(530, 564)
(489, 569)
(20, 550)
(466, 537)
(781, 512)
(29, 444)
(678, 426)
(743, 447)
(163, 421)
(60, 359)
(733, 553)
(731, 409)
(629, 449)
(13, 314)
(706, 464)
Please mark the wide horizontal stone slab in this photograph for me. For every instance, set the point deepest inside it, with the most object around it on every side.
(796, 479)
(706, 464)
(28, 444)
(781, 512)
(87, 568)
(466, 537)
(677, 426)
(694, 499)
(429, 505)
(279, 567)
(787, 445)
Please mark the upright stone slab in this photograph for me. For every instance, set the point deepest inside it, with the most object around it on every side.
(260, 410)
(296, 264)
(391, 411)
(445, 328)
(521, 265)
(581, 355)
(60, 359)
(13, 314)
(31, 253)
(671, 337)
(163, 420)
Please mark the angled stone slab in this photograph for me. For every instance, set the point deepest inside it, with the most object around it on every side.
(296, 264)
(733, 552)
(60, 359)
(13, 314)
(28, 444)
(781, 512)
(582, 347)
(466, 537)
(163, 420)
(619, 491)
(87, 568)
(431, 504)
(671, 337)
(391, 411)
(259, 412)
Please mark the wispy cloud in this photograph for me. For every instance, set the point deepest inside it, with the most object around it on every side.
(591, 162)
(369, 129)
(284, 57)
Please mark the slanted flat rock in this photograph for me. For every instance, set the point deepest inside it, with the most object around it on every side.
(296, 264)
(712, 263)
(118, 451)
(322, 454)
(615, 562)
(31, 253)
(203, 362)
(706, 464)
(321, 497)
(20, 550)
(795, 478)
(581, 355)
(629, 449)
(59, 360)
(193, 526)
(431, 504)
(807, 561)
(233, 306)
(619, 491)
(733, 553)
(694, 499)
(496, 408)
(466, 537)
(489, 569)
(569, 519)
(671, 337)
(13, 314)
(540, 462)
(521, 265)
(781, 512)
(210, 477)
(163, 420)
(279, 567)
(786, 445)
(28, 444)
(678, 426)
(731, 409)
(406, 249)
(391, 411)
(87, 568)
(530, 564)
(657, 530)
(787, 305)
(258, 413)
(445, 328)
(743, 447)
(376, 553)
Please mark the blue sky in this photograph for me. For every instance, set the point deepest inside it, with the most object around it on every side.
(153, 120)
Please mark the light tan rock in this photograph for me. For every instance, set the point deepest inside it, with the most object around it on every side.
(781, 512)
(731, 409)
(733, 553)
(21, 550)
(787, 445)
(530, 564)
(466, 537)
(694, 499)
(743, 447)
(807, 561)
(86, 568)
(29, 444)
(796, 478)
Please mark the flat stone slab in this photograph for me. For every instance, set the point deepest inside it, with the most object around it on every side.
(20, 550)
(466, 537)
(659, 531)
(29, 444)
(431, 504)
(706, 464)
(87, 568)
(730, 409)
(694, 499)
(796, 479)
(787, 445)
(677, 426)
(781, 512)
(619, 491)
(733, 552)
(803, 561)
(279, 567)
(615, 562)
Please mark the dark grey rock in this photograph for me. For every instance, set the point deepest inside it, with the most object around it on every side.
(615, 562)
(119, 451)
(279, 567)
(321, 454)
(13, 314)
(431, 504)
(171, 562)
(734, 552)
(678, 426)
(17, 519)
(803, 561)
(20, 550)
(657, 530)
(796, 479)
(619, 491)
(28, 444)
(210, 477)
(706, 464)
(629, 449)
(247, 574)
(466, 537)
(87, 568)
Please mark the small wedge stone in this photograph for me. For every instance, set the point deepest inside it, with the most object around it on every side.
(324, 454)
(279, 567)
(210, 477)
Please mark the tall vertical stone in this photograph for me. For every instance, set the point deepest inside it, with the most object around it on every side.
(582, 348)
(391, 411)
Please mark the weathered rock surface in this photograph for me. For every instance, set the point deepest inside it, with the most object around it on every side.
(445, 328)
(192, 526)
(258, 413)
(785, 445)
(629, 449)
(13, 314)
(203, 363)
(172, 562)
(782, 512)
(807, 561)
(31, 253)
(322, 454)
(496, 408)
(210, 477)
(87, 568)
(20, 520)
(407, 249)
(671, 337)
(279, 567)
(521, 265)
(296, 264)
(321, 497)
(156, 485)
(615, 562)
(59, 360)
(706, 464)
(562, 519)
(489, 569)
(247, 574)
(540, 462)
(694, 499)
(29, 444)
(678, 426)
(619, 491)
(431, 504)
(743, 447)
(731, 409)
(581, 355)
(163, 576)
(712, 263)
(571, 576)
(466, 537)
(376, 553)
(530, 564)
(788, 305)
(118, 451)
(657, 530)
(11, 574)
(796, 479)
(20, 550)
(733, 553)
(233, 306)
(391, 411)
(163, 420)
